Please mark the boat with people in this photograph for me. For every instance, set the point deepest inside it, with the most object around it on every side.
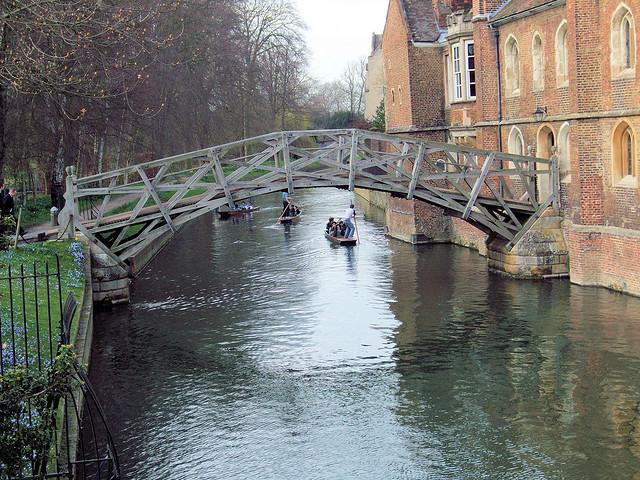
(290, 214)
(341, 240)
(335, 232)
(226, 212)
(291, 219)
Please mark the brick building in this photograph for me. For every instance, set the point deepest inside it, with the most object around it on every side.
(538, 77)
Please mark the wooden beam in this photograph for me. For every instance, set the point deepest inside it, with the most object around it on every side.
(478, 185)
(156, 199)
(415, 174)
(286, 155)
(222, 181)
(353, 160)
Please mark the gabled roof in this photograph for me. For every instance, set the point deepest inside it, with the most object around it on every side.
(515, 7)
(420, 19)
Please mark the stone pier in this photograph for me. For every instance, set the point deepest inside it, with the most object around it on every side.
(110, 281)
(541, 253)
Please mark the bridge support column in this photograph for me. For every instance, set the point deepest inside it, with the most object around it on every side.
(541, 253)
(416, 222)
(110, 282)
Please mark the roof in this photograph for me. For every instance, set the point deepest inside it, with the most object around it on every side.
(514, 7)
(420, 19)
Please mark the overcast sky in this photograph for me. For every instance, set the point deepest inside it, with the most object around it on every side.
(339, 31)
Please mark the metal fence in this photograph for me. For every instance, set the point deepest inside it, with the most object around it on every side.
(35, 324)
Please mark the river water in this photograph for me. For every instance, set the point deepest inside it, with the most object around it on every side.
(255, 351)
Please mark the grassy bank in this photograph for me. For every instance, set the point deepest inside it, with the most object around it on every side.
(34, 211)
(34, 319)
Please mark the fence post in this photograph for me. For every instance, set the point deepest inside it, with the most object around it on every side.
(70, 201)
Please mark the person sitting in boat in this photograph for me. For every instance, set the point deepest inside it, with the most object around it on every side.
(334, 230)
(294, 211)
(342, 228)
(330, 224)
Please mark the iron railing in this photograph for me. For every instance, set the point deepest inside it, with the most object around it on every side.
(34, 325)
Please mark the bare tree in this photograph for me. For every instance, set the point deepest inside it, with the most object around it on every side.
(265, 26)
(73, 49)
(353, 84)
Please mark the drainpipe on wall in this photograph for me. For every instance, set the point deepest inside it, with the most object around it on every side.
(496, 35)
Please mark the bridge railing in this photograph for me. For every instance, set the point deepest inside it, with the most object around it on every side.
(495, 191)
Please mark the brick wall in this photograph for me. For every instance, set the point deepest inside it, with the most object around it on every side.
(395, 51)
(427, 86)
(609, 257)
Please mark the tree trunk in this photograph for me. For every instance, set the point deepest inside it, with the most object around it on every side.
(3, 117)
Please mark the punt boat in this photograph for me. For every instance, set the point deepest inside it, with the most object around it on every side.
(340, 240)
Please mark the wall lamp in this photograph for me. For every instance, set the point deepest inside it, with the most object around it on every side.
(540, 113)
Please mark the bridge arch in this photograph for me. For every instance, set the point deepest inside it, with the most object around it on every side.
(165, 194)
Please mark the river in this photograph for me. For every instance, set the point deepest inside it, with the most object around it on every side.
(255, 351)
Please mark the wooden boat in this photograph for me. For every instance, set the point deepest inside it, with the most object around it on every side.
(226, 212)
(285, 220)
(340, 240)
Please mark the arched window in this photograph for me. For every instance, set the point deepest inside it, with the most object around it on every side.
(393, 96)
(516, 142)
(537, 53)
(562, 55)
(512, 76)
(564, 157)
(623, 42)
(624, 153)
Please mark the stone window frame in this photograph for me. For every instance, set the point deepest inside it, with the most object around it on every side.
(447, 78)
(515, 134)
(512, 75)
(562, 54)
(393, 96)
(537, 62)
(624, 155)
(400, 94)
(564, 152)
(623, 60)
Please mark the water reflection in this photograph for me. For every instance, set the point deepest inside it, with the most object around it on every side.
(256, 350)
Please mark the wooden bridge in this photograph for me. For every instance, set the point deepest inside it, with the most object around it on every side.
(499, 193)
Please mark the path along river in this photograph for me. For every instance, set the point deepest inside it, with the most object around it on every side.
(251, 351)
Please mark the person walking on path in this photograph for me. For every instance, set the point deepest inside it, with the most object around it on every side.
(8, 203)
(349, 215)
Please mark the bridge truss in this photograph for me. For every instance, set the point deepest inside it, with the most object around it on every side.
(499, 193)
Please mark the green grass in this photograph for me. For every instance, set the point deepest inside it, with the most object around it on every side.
(36, 315)
(34, 211)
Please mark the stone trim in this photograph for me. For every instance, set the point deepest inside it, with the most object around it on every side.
(527, 13)
(563, 118)
(602, 230)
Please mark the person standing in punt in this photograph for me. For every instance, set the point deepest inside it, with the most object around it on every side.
(349, 215)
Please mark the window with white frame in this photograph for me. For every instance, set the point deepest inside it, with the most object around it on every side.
(463, 71)
(470, 64)
(457, 72)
